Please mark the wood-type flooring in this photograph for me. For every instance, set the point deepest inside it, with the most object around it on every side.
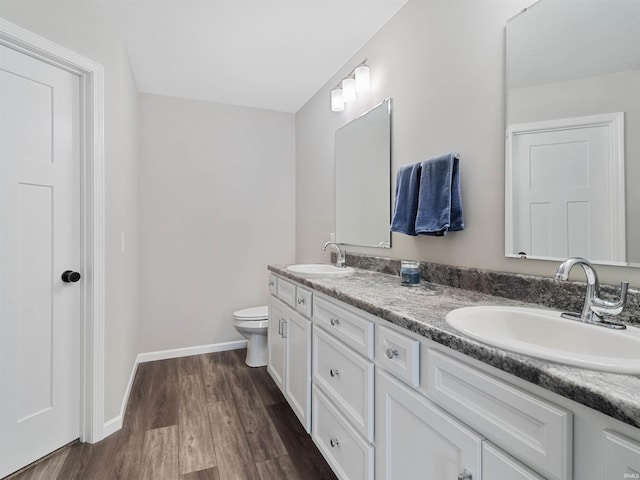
(205, 417)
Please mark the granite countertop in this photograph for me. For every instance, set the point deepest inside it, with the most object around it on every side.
(422, 310)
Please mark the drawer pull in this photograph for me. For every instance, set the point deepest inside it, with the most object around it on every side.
(334, 443)
(280, 326)
(334, 372)
(466, 475)
(300, 301)
(392, 352)
(334, 321)
(271, 283)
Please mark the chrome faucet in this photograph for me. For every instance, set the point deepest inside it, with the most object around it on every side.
(340, 260)
(594, 307)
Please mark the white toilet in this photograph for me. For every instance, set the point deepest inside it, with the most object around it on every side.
(252, 323)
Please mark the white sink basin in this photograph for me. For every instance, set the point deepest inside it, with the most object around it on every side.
(319, 269)
(544, 334)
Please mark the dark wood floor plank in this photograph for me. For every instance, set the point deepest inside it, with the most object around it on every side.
(265, 386)
(77, 461)
(164, 404)
(189, 365)
(160, 454)
(235, 461)
(281, 468)
(263, 438)
(153, 401)
(244, 394)
(196, 450)
(208, 474)
(216, 388)
(304, 454)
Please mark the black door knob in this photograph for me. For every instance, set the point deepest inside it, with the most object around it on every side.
(69, 276)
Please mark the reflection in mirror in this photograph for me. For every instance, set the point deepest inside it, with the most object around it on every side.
(573, 117)
(363, 179)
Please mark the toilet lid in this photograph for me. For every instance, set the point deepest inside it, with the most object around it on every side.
(253, 313)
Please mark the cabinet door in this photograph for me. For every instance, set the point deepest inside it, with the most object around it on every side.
(497, 464)
(621, 457)
(416, 439)
(297, 333)
(276, 342)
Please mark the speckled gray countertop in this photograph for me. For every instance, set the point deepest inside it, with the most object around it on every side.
(423, 309)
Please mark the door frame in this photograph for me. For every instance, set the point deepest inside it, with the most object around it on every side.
(91, 76)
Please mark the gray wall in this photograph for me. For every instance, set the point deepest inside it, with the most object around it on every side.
(216, 206)
(443, 64)
(84, 28)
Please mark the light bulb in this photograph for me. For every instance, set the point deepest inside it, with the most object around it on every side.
(362, 79)
(337, 102)
(349, 90)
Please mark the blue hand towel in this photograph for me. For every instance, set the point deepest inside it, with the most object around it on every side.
(440, 198)
(406, 207)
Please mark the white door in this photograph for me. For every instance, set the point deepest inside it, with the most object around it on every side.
(563, 199)
(39, 240)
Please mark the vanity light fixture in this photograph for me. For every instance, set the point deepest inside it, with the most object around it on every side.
(362, 78)
(358, 81)
(337, 102)
(349, 90)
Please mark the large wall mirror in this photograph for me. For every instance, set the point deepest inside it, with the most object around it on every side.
(363, 179)
(573, 131)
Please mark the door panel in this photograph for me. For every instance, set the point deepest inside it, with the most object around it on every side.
(563, 179)
(39, 239)
(416, 439)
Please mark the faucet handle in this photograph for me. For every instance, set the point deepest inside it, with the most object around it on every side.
(611, 308)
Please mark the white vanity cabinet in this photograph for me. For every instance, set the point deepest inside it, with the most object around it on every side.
(384, 403)
(289, 341)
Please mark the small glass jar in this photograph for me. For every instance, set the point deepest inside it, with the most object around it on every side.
(410, 273)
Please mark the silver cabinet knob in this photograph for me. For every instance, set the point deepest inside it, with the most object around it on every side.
(300, 301)
(334, 321)
(466, 475)
(271, 283)
(334, 372)
(334, 442)
(391, 352)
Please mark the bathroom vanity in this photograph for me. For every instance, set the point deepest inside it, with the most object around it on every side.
(388, 390)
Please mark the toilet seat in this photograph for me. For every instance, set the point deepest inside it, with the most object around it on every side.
(252, 314)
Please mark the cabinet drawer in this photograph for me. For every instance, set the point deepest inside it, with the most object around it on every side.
(287, 292)
(304, 301)
(498, 464)
(348, 326)
(399, 354)
(350, 457)
(346, 378)
(536, 431)
(273, 284)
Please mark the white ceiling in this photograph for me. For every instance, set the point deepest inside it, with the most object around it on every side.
(271, 54)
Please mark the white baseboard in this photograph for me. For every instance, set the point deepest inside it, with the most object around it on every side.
(114, 424)
(188, 351)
